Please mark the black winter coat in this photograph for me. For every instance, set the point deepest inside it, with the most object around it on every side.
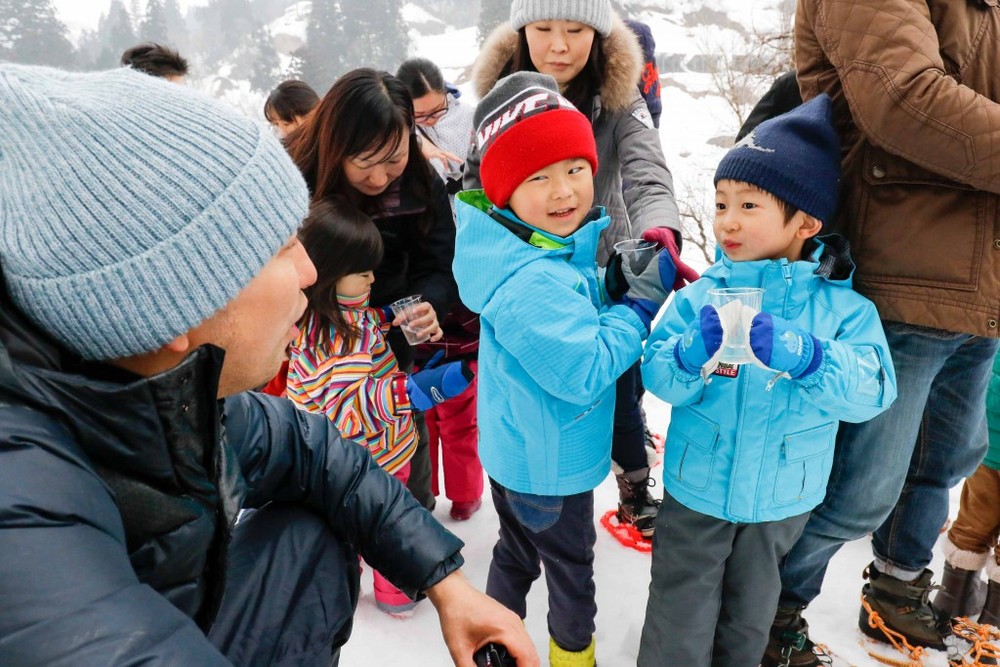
(118, 495)
(415, 262)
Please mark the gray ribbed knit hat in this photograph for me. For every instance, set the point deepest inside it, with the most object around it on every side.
(132, 209)
(595, 13)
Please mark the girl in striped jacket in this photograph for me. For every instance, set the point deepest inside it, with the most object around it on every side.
(340, 364)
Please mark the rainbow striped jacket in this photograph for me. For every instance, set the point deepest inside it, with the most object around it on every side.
(358, 386)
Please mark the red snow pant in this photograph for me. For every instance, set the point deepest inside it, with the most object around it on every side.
(453, 426)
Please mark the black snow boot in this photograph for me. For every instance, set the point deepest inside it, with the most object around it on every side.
(788, 644)
(962, 592)
(991, 609)
(635, 505)
(905, 607)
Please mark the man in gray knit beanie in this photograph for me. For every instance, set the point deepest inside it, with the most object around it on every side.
(149, 275)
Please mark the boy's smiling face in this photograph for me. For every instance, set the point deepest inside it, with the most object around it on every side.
(750, 224)
(557, 198)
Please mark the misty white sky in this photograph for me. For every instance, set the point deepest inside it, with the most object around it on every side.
(80, 14)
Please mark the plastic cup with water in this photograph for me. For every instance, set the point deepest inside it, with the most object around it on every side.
(737, 307)
(405, 308)
(637, 252)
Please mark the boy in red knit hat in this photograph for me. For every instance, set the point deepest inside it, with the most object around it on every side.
(552, 344)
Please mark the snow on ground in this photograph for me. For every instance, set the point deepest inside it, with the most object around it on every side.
(622, 578)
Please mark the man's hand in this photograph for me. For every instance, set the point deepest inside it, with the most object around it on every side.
(470, 619)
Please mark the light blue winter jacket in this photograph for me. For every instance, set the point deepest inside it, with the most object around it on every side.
(550, 351)
(741, 453)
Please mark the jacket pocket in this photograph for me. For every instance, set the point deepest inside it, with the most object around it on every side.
(914, 227)
(805, 462)
(689, 455)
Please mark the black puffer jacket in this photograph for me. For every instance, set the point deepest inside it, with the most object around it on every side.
(118, 495)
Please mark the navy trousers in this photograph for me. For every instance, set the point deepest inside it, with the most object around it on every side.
(557, 532)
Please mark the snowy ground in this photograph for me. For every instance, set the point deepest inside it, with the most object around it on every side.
(622, 577)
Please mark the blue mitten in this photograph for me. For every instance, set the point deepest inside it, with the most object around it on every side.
(782, 346)
(436, 385)
(701, 343)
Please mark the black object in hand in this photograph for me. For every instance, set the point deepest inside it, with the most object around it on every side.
(493, 655)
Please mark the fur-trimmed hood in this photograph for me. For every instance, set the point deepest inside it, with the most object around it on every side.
(621, 73)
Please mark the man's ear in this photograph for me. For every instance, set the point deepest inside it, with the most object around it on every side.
(179, 345)
(809, 226)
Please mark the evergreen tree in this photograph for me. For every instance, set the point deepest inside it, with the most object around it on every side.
(491, 14)
(114, 35)
(135, 13)
(258, 62)
(378, 34)
(321, 58)
(176, 28)
(154, 25)
(31, 33)
(219, 28)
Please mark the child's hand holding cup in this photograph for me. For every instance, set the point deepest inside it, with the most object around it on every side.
(417, 319)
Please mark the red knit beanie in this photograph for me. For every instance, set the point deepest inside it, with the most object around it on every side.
(524, 125)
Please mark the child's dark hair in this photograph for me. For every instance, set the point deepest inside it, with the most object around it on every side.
(155, 60)
(340, 240)
(421, 76)
(582, 88)
(291, 99)
(787, 210)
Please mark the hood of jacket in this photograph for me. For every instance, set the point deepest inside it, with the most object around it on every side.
(623, 58)
(156, 442)
(480, 269)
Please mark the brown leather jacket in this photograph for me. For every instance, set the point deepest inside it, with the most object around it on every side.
(915, 85)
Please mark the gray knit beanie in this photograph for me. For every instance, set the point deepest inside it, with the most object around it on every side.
(132, 209)
(595, 13)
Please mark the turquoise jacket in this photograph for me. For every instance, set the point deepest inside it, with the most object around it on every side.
(740, 452)
(550, 351)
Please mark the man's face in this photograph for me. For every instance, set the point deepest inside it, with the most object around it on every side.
(256, 327)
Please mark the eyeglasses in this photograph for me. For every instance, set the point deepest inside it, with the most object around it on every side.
(432, 115)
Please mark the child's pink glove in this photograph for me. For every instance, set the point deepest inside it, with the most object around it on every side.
(666, 238)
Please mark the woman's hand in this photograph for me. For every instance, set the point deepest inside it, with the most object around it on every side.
(433, 152)
(423, 320)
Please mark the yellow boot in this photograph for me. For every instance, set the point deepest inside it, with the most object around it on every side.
(560, 657)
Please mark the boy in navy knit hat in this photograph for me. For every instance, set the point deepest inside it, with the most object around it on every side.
(750, 447)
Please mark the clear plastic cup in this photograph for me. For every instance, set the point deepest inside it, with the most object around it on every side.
(404, 307)
(736, 345)
(637, 252)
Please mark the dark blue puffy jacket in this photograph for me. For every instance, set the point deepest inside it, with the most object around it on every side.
(649, 84)
(118, 495)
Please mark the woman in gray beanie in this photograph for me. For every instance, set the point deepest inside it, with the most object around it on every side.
(596, 60)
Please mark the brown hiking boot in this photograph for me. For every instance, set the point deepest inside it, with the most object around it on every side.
(788, 644)
(635, 505)
(904, 606)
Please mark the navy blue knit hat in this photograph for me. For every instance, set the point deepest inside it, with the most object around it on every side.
(794, 156)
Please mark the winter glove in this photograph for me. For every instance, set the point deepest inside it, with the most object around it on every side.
(645, 290)
(666, 238)
(436, 385)
(701, 345)
(782, 346)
